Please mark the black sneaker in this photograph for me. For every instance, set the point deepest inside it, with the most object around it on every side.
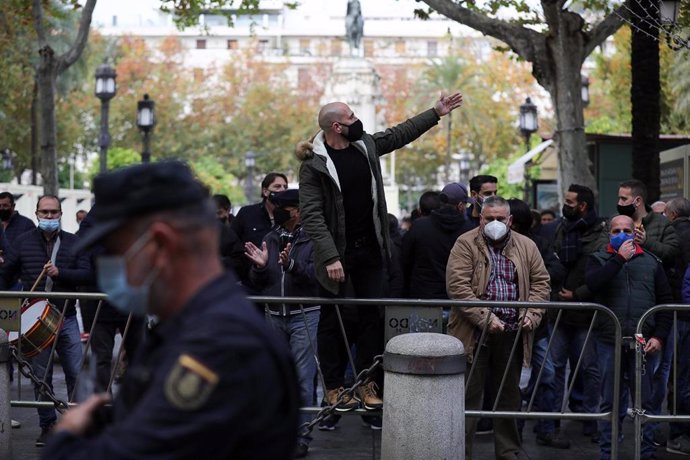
(329, 423)
(374, 422)
(43, 437)
(551, 440)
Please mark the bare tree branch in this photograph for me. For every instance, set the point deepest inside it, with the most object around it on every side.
(79, 44)
(519, 38)
(607, 27)
(38, 23)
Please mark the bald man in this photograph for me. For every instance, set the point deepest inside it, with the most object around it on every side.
(629, 281)
(344, 212)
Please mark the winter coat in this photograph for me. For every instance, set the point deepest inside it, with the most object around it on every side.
(321, 200)
(629, 289)
(426, 247)
(29, 254)
(17, 225)
(296, 280)
(661, 237)
(591, 240)
(467, 278)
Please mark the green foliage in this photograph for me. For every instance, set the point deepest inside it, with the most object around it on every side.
(212, 173)
(186, 13)
(117, 158)
(499, 169)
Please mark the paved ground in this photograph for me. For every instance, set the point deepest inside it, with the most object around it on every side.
(350, 440)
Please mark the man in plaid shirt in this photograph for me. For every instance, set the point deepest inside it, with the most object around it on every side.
(494, 264)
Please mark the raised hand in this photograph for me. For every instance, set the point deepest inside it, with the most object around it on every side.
(256, 255)
(447, 104)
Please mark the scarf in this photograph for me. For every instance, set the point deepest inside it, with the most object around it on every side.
(570, 249)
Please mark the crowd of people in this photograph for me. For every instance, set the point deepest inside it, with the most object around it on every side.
(157, 244)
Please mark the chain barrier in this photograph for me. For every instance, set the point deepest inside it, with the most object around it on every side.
(346, 394)
(42, 387)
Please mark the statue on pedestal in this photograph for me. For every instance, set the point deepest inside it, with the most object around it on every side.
(354, 25)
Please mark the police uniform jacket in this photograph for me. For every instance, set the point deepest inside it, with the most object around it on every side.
(213, 382)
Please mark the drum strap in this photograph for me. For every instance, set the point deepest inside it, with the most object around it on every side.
(53, 256)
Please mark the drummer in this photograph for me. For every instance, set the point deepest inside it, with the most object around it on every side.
(46, 255)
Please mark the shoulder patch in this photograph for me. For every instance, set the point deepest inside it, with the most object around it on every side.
(189, 384)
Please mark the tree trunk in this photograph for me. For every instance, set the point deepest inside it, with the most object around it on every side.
(34, 135)
(47, 75)
(645, 97)
(563, 82)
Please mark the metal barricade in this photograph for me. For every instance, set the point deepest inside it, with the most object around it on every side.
(530, 415)
(396, 303)
(639, 414)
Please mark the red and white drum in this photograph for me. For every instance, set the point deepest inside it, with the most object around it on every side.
(40, 325)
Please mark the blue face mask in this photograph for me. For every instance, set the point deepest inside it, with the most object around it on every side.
(49, 225)
(620, 238)
(112, 280)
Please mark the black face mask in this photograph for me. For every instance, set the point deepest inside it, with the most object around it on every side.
(570, 212)
(627, 210)
(354, 131)
(5, 214)
(280, 216)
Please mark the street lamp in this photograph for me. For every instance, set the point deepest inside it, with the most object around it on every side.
(7, 159)
(249, 161)
(105, 91)
(585, 90)
(146, 119)
(528, 125)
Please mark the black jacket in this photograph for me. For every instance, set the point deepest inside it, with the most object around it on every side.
(17, 225)
(29, 254)
(426, 247)
(295, 280)
(252, 223)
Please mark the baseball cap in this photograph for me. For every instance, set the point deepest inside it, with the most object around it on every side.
(137, 191)
(453, 193)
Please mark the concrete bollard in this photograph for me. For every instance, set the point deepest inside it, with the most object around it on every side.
(424, 403)
(5, 421)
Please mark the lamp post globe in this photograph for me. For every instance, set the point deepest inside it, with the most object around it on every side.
(146, 120)
(106, 88)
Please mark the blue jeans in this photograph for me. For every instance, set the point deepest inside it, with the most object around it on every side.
(605, 353)
(682, 386)
(301, 337)
(545, 399)
(69, 350)
(567, 345)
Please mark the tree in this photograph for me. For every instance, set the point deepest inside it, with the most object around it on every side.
(556, 54)
(645, 93)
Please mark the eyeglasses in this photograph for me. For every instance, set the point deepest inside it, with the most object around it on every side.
(48, 212)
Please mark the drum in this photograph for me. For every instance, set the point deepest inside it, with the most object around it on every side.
(40, 325)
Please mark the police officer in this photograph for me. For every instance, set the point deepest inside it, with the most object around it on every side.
(211, 380)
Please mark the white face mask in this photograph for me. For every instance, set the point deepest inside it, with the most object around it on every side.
(495, 230)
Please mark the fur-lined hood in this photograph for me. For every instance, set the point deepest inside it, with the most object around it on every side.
(305, 149)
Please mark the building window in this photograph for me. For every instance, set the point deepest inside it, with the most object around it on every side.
(431, 48)
(233, 45)
(368, 47)
(262, 46)
(201, 44)
(336, 47)
(114, 21)
(304, 45)
(400, 47)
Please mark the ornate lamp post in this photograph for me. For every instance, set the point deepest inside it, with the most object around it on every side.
(528, 125)
(146, 119)
(249, 161)
(105, 91)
